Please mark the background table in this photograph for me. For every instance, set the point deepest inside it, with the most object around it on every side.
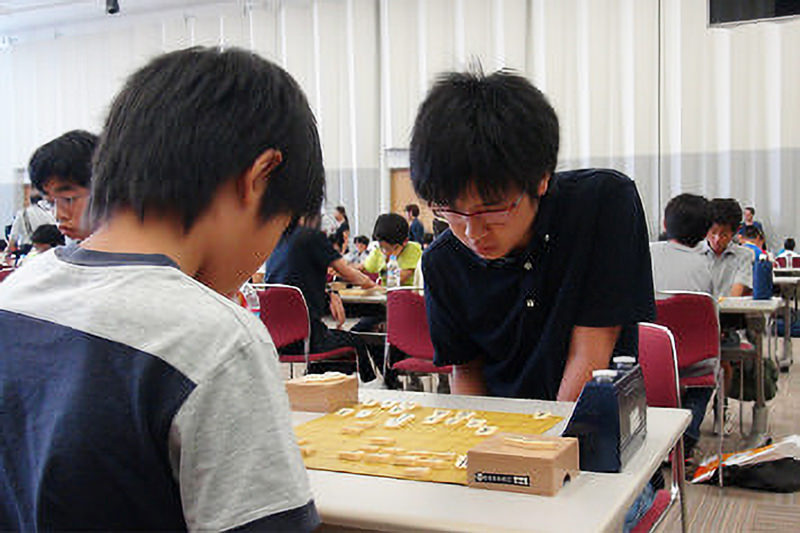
(590, 502)
(757, 313)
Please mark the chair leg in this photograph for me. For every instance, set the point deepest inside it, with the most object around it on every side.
(679, 479)
(721, 414)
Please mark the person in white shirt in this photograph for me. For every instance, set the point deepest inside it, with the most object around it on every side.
(26, 222)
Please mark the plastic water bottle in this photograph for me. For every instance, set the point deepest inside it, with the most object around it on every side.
(762, 278)
(392, 273)
(251, 301)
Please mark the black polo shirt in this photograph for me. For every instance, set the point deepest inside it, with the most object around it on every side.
(588, 264)
(301, 259)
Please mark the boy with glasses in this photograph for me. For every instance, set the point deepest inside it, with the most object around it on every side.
(62, 169)
(541, 276)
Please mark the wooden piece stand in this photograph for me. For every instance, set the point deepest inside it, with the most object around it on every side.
(531, 464)
(322, 396)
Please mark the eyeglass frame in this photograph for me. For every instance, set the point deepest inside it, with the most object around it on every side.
(67, 202)
(443, 212)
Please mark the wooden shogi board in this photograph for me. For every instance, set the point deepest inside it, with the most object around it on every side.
(324, 438)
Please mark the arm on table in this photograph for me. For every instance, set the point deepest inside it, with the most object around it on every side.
(468, 378)
(589, 349)
(352, 275)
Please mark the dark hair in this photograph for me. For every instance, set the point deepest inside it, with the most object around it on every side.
(497, 132)
(413, 209)
(751, 209)
(35, 197)
(788, 244)
(68, 157)
(752, 232)
(687, 219)
(3, 245)
(725, 212)
(343, 211)
(193, 119)
(427, 238)
(361, 239)
(47, 234)
(392, 228)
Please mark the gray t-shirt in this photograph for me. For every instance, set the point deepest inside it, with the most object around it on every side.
(732, 266)
(135, 397)
(680, 268)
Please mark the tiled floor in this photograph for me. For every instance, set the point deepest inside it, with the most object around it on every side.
(732, 509)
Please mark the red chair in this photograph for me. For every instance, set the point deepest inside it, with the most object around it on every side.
(795, 262)
(659, 362)
(693, 319)
(5, 272)
(285, 314)
(781, 262)
(407, 330)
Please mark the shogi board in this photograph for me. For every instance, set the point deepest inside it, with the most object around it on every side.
(324, 436)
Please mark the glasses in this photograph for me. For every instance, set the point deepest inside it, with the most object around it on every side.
(67, 202)
(490, 217)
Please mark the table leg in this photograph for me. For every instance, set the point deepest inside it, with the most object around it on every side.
(758, 430)
(788, 296)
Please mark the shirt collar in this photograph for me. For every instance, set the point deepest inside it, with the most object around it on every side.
(74, 254)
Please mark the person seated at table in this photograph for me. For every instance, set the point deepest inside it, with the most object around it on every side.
(136, 397)
(391, 233)
(302, 259)
(731, 264)
(44, 238)
(749, 222)
(679, 265)
(541, 276)
(788, 251)
(753, 239)
(359, 254)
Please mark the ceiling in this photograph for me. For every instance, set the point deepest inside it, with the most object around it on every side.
(19, 16)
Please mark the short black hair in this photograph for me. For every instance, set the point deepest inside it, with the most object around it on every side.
(193, 119)
(788, 244)
(47, 234)
(752, 232)
(361, 239)
(751, 209)
(413, 209)
(726, 212)
(68, 157)
(392, 228)
(687, 219)
(337, 239)
(496, 132)
(3, 245)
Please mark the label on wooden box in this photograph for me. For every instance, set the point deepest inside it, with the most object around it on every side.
(322, 393)
(534, 464)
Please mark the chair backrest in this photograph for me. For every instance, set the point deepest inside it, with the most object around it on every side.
(659, 363)
(284, 312)
(407, 322)
(781, 262)
(693, 319)
(795, 262)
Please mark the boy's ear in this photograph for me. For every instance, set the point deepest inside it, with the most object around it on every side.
(254, 180)
(543, 185)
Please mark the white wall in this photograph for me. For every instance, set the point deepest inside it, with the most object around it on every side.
(677, 105)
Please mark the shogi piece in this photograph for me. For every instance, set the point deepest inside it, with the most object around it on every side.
(532, 464)
(322, 393)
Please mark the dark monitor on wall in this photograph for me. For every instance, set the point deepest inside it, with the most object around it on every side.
(739, 11)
